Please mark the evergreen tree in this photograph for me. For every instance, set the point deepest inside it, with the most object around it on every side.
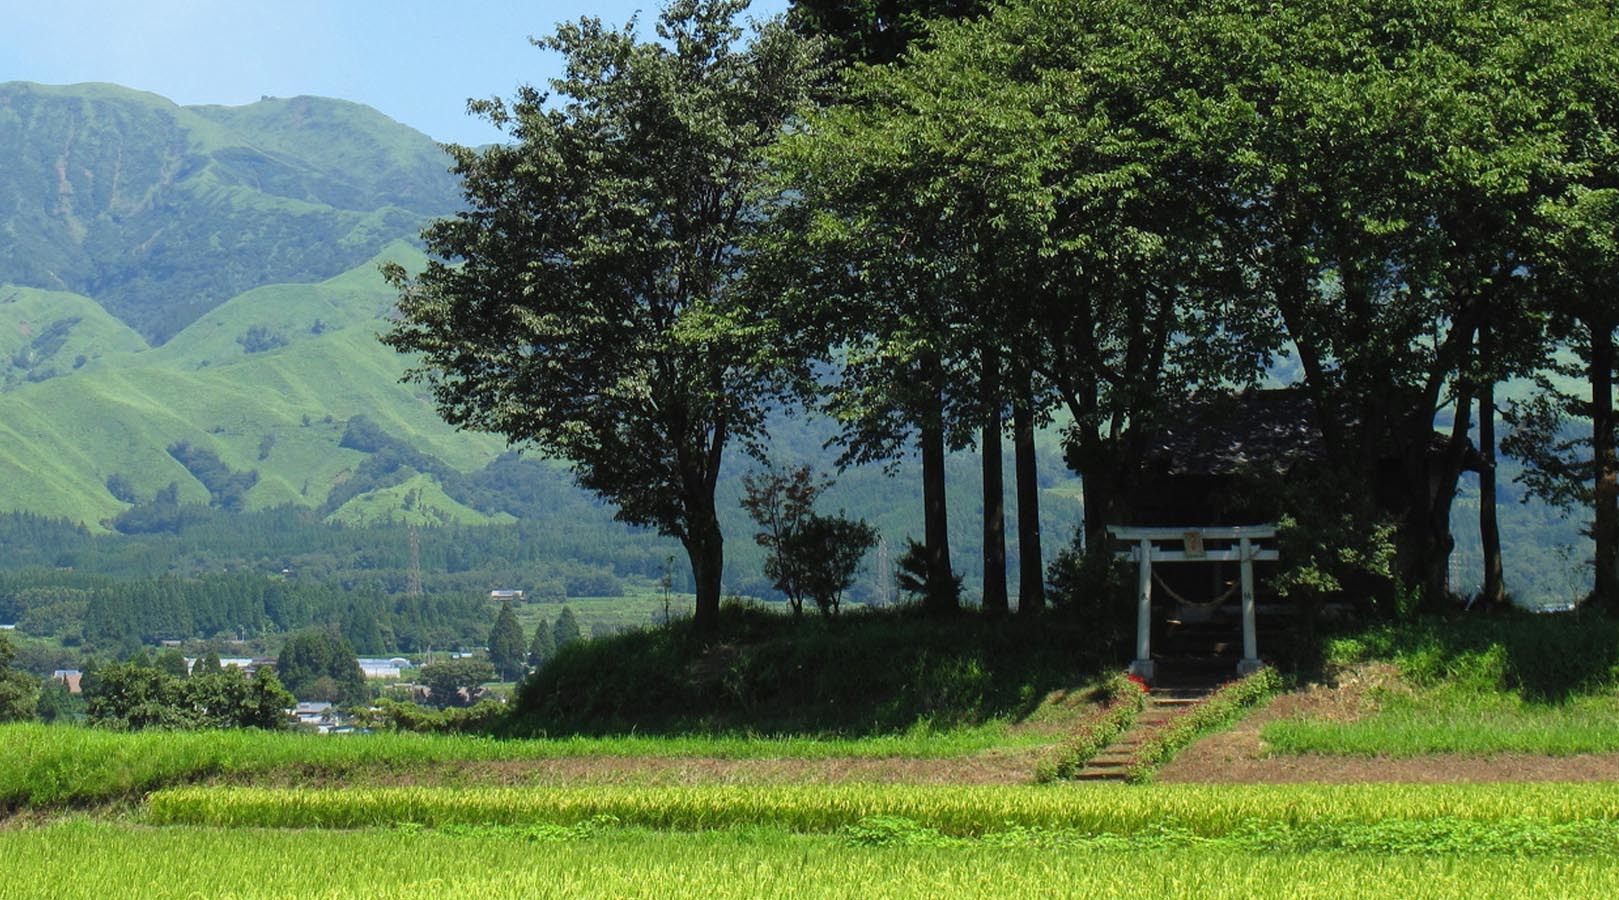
(543, 647)
(566, 630)
(506, 643)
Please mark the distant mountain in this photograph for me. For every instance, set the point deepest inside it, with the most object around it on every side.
(189, 303)
(160, 212)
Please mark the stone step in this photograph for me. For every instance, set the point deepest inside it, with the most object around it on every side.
(1098, 776)
(1182, 700)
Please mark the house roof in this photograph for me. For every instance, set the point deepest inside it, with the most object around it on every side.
(1222, 434)
(1252, 431)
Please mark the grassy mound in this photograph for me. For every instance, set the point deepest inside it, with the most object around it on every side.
(867, 672)
(1478, 686)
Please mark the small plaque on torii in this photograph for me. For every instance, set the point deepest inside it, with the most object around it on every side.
(1192, 542)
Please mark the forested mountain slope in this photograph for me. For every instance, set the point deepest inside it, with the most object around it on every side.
(161, 212)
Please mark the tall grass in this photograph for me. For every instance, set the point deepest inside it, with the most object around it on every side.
(1541, 658)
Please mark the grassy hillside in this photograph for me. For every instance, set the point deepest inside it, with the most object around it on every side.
(267, 383)
(45, 334)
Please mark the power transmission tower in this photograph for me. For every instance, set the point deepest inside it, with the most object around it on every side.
(414, 588)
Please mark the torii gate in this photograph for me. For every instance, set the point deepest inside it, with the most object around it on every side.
(1191, 549)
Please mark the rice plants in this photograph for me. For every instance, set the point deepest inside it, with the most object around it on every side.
(53, 766)
(968, 811)
(97, 860)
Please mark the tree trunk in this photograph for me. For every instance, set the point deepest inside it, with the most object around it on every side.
(1606, 467)
(705, 547)
(1429, 519)
(995, 600)
(1494, 594)
(1031, 590)
(941, 594)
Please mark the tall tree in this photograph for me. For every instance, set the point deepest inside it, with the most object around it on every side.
(316, 664)
(585, 301)
(543, 647)
(1581, 276)
(874, 31)
(506, 645)
(566, 629)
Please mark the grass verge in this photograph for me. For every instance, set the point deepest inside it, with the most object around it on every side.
(1216, 711)
(1544, 685)
(1123, 700)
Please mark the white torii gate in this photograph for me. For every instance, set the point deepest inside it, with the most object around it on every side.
(1191, 549)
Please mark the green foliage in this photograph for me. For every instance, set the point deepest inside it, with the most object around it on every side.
(873, 31)
(316, 664)
(543, 647)
(57, 704)
(612, 264)
(806, 554)
(19, 692)
(171, 662)
(1542, 658)
(866, 672)
(1098, 589)
(566, 630)
(455, 682)
(135, 696)
(1478, 685)
(506, 645)
(912, 573)
(482, 717)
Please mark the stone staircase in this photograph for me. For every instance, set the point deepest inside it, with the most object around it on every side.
(1177, 689)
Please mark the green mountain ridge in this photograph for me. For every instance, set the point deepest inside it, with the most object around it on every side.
(161, 212)
(279, 411)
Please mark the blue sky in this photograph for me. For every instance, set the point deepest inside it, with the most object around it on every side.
(415, 60)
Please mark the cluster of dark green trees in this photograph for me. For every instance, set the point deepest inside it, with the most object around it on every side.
(928, 226)
(142, 694)
(117, 616)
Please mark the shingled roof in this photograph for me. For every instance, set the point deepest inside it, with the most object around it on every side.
(1223, 434)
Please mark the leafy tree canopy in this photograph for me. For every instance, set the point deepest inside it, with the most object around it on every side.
(585, 301)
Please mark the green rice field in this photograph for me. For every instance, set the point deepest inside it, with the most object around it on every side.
(99, 860)
(52, 766)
